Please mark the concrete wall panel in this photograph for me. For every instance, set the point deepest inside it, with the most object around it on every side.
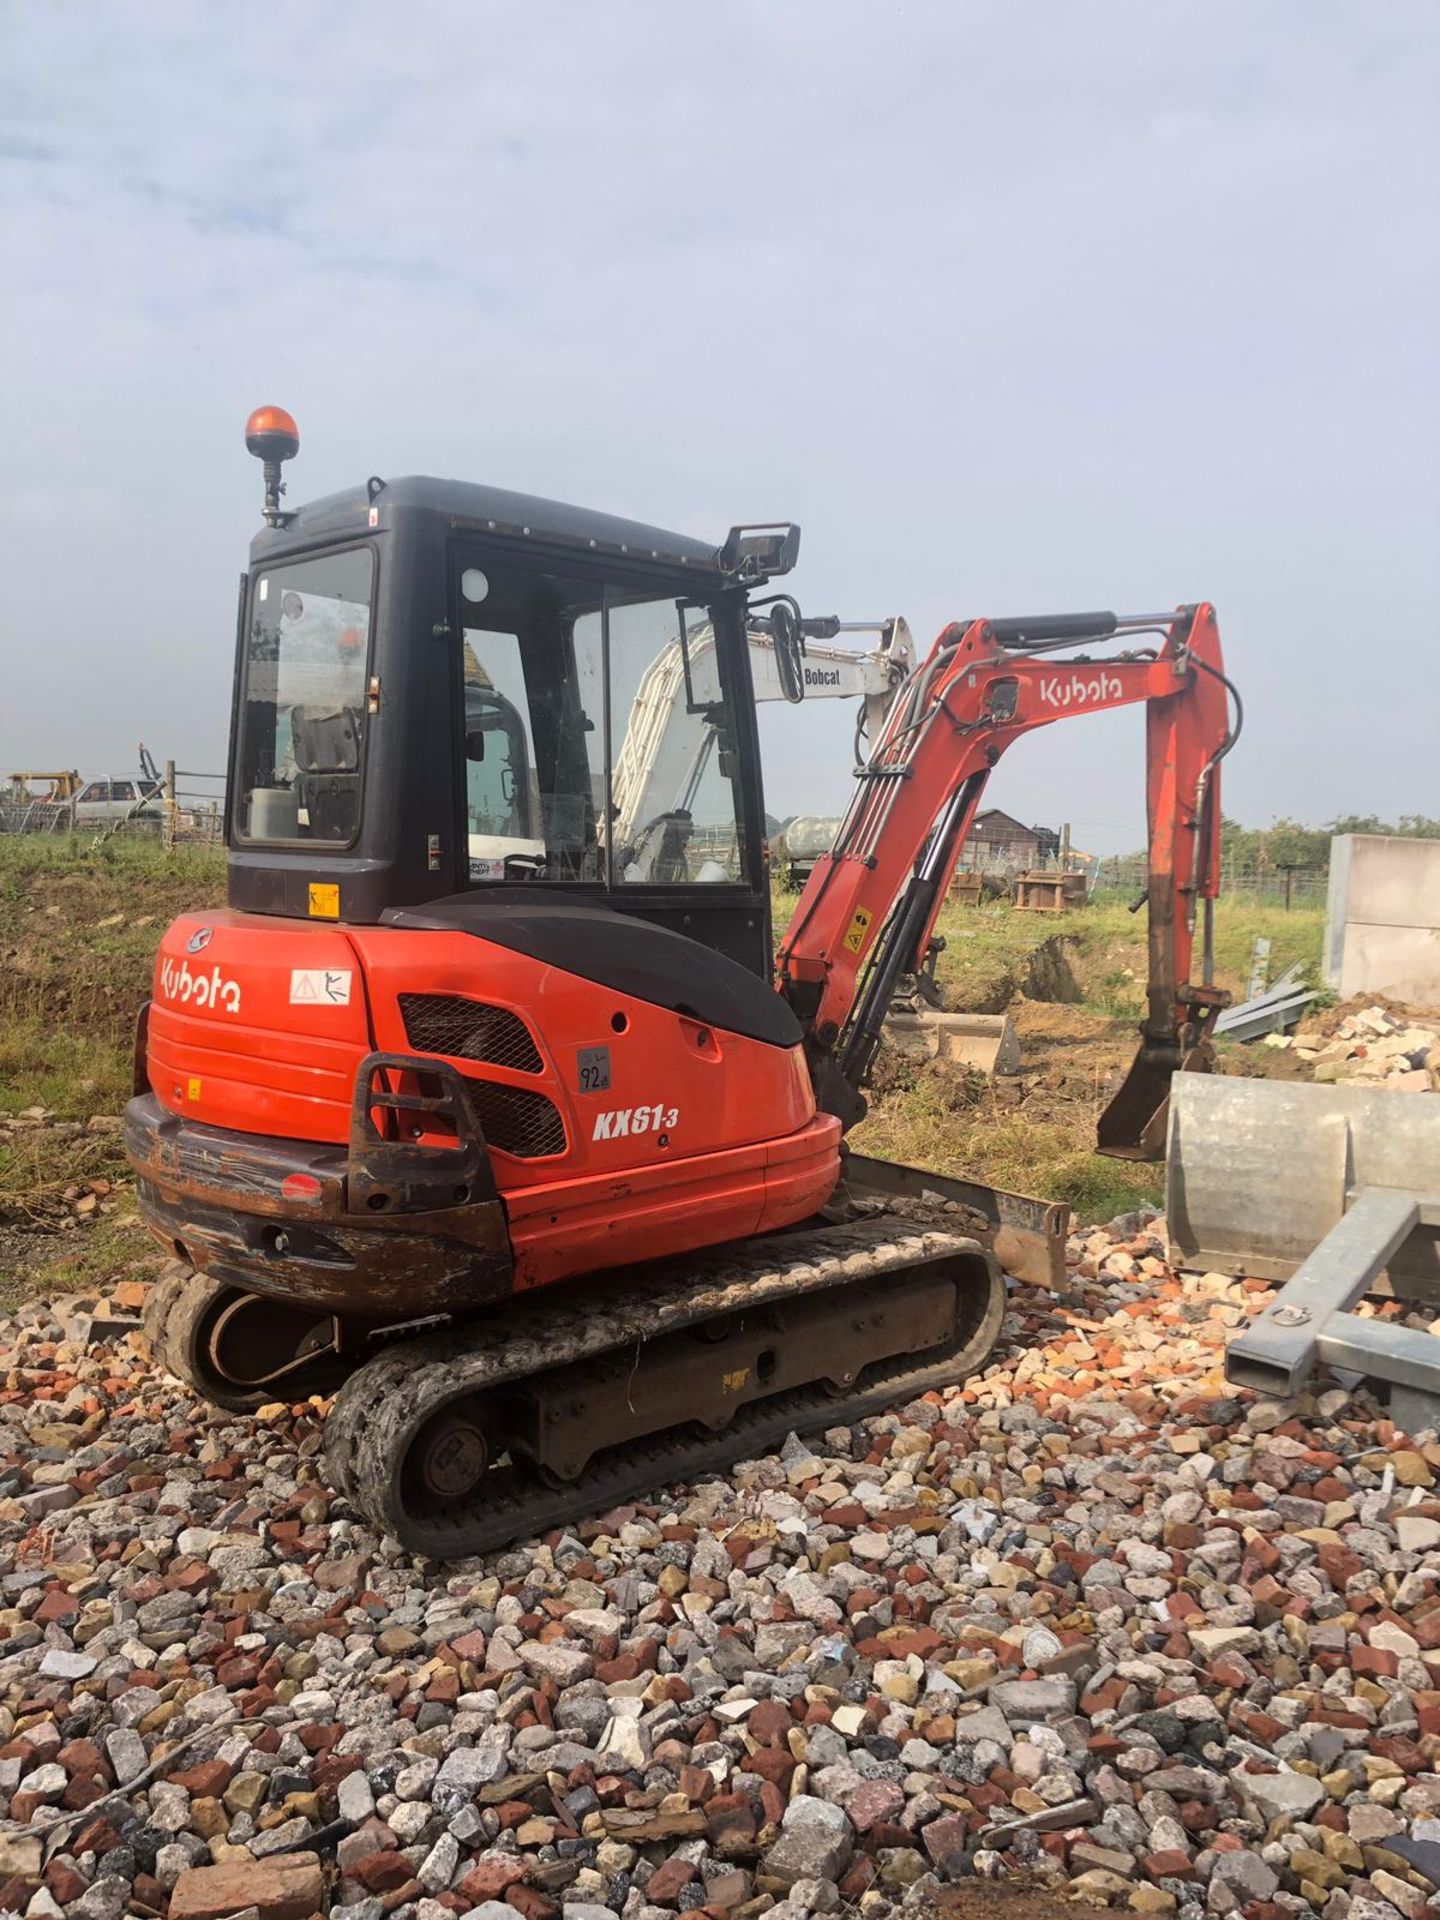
(1382, 927)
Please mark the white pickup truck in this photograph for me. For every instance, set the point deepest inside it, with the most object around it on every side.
(100, 801)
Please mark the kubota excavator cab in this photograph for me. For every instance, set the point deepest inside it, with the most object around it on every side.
(423, 664)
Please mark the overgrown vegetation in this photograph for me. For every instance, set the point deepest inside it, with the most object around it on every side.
(989, 950)
(78, 930)
(1287, 843)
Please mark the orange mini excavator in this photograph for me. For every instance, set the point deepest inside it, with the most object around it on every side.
(533, 1155)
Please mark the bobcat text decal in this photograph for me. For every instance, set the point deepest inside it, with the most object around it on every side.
(620, 1121)
(204, 989)
(1058, 692)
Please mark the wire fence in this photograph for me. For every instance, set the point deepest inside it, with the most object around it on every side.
(189, 810)
(194, 808)
(1127, 874)
(31, 813)
(1286, 886)
(182, 808)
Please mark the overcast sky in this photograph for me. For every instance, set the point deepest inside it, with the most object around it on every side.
(1014, 308)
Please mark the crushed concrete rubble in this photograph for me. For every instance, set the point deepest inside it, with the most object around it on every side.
(1373, 1047)
(1093, 1623)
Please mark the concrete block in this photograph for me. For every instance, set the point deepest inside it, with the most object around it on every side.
(1382, 926)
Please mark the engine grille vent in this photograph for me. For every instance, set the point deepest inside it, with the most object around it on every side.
(470, 1030)
(518, 1121)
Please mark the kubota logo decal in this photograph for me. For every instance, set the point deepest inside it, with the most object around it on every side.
(199, 989)
(619, 1122)
(1060, 692)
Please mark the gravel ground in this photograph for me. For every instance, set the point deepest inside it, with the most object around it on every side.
(1091, 1626)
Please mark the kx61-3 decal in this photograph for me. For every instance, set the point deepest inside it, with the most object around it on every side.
(618, 1122)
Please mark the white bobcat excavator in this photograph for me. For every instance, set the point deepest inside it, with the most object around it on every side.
(663, 760)
(663, 757)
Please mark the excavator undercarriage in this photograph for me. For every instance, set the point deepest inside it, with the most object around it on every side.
(461, 1436)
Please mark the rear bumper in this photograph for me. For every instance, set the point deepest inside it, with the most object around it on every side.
(376, 1231)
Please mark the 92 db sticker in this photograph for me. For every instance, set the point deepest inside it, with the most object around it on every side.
(592, 1069)
(320, 986)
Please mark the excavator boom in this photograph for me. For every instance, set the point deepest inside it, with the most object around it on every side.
(868, 912)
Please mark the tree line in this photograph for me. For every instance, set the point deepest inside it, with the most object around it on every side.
(1289, 843)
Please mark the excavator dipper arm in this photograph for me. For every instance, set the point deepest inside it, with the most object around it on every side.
(866, 916)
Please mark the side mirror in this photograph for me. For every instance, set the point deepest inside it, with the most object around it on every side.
(786, 626)
(755, 554)
(475, 745)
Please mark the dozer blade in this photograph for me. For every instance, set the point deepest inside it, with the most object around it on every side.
(1133, 1126)
(1026, 1236)
(1261, 1170)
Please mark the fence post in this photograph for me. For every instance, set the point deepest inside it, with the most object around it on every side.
(1259, 966)
(169, 810)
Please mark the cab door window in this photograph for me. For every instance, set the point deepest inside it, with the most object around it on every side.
(533, 704)
(676, 804)
(599, 737)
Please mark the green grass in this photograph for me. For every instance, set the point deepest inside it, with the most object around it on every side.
(1294, 935)
(79, 925)
(986, 945)
(1046, 1153)
(64, 1071)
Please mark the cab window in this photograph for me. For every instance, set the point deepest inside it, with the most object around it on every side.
(302, 714)
(599, 743)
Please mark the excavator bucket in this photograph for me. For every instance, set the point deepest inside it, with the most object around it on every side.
(1261, 1170)
(1133, 1126)
(985, 1042)
(1332, 1190)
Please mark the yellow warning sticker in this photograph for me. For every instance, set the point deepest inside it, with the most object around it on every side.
(859, 927)
(192, 1089)
(324, 900)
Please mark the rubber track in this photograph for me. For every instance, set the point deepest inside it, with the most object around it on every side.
(383, 1405)
(174, 1304)
(174, 1277)
(551, 1329)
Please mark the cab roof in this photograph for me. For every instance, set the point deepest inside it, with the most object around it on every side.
(482, 509)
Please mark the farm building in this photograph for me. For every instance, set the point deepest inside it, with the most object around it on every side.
(999, 842)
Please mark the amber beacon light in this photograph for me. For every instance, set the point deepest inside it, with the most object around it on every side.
(272, 436)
